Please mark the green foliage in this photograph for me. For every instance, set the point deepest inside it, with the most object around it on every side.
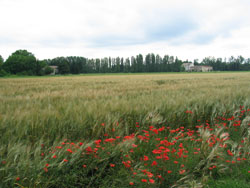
(23, 62)
(40, 67)
(3, 73)
(64, 68)
(1, 61)
(228, 182)
(48, 70)
(232, 64)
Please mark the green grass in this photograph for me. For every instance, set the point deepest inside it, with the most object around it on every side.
(47, 110)
(124, 74)
(229, 183)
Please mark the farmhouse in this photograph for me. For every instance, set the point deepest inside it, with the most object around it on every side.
(55, 70)
(189, 67)
(201, 68)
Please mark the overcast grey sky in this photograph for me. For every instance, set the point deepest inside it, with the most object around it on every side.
(188, 29)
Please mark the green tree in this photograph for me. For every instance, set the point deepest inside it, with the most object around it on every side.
(139, 65)
(2, 72)
(158, 63)
(110, 64)
(1, 61)
(48, 70)
(21, 62)
(165, 64)
(90, 66)
(122, 65)
(97, 65)
(127, 65)
(104, 65)
(40, 65)
(153, 62)
(148, 63)
(133, 64)
(64, 67)
(117, 64)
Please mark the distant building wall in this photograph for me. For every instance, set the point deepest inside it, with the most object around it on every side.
(202, 68)
(55, 70)
(187, 66)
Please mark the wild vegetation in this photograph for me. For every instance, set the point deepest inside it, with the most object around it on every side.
(142, 130)
(23, 62)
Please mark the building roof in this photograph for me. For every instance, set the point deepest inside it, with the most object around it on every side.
(203, 66)
(54, 67)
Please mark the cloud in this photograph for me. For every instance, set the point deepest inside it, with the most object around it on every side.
(95, 28)
(169, 29)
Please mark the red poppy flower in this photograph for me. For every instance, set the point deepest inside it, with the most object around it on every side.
(69, 150)
(145, 158)
(154, 163)
(159, 176)
(182, 171)
(109, 140)
(151, 181)
(150, 175)
(229, 152)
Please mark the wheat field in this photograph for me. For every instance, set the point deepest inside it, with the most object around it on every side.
(46, 110)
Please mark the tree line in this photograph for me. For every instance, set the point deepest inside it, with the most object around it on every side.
(23, 62)
(231, 64)
(152, 63)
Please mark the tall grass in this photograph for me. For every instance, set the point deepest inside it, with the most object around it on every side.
(37, 111)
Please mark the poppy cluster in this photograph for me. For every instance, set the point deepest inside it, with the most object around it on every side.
(157, 154)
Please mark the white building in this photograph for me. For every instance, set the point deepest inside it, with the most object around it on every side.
(202, 68)
(188, 66)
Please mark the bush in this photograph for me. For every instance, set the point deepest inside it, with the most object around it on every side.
(3, 73)
(25, 73)
(48, 70)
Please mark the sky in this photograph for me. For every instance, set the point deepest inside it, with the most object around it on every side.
(188, 29)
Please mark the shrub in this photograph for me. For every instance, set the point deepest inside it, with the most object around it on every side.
(48, 70)
(3, 73)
